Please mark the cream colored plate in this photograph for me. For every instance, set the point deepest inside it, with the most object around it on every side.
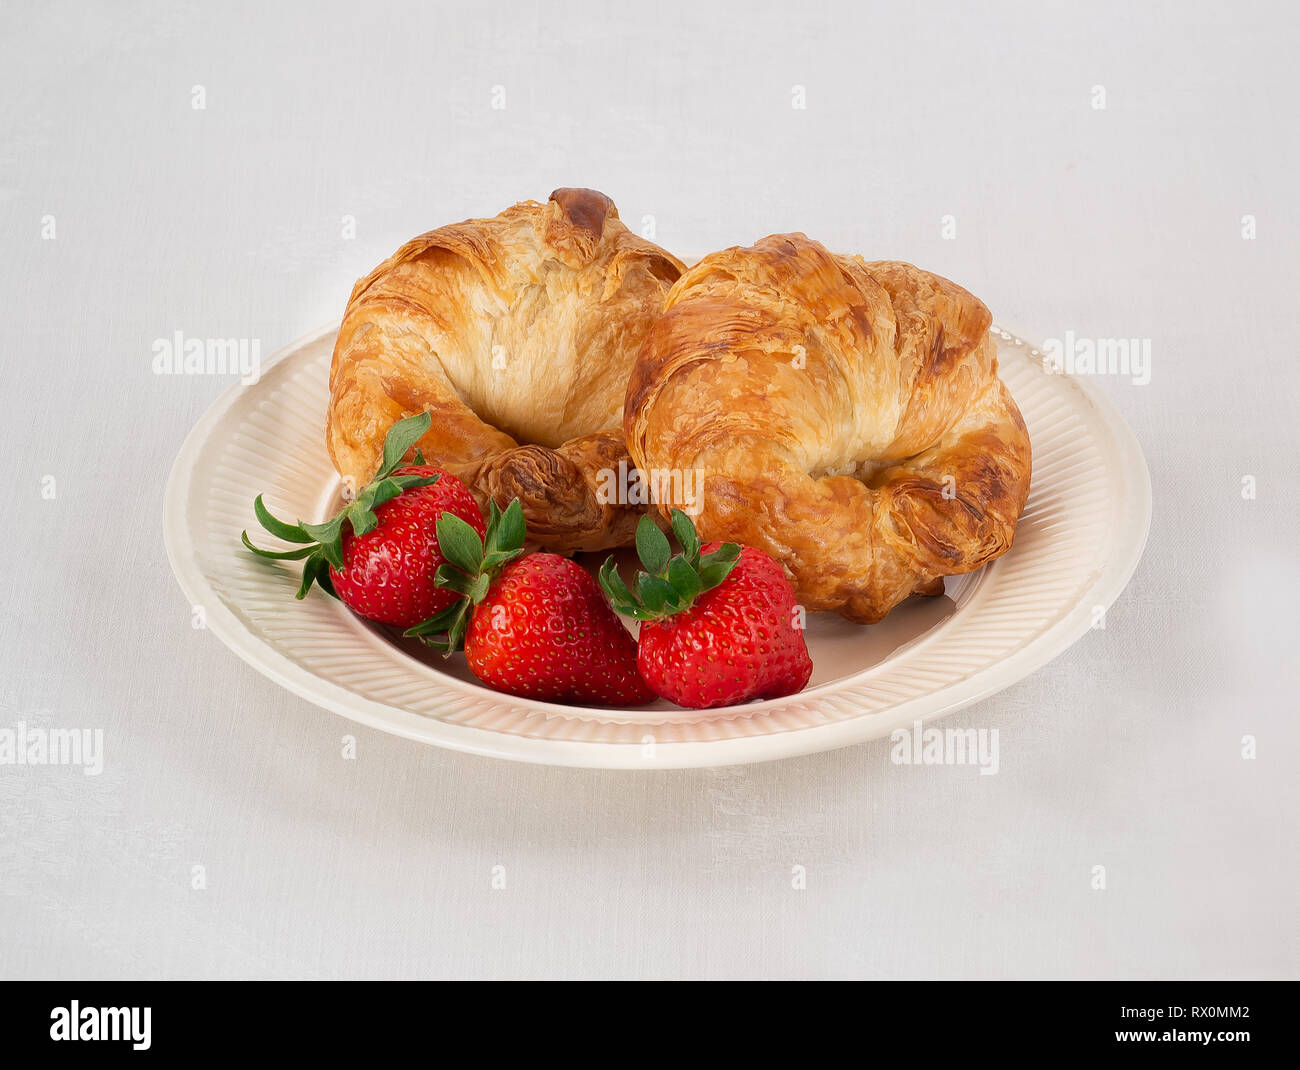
(1078, 542)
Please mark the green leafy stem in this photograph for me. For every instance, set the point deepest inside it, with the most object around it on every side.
(321, 545)
(671, 582)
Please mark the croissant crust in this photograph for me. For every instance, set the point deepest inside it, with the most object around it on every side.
(844, 416)
(517, 334)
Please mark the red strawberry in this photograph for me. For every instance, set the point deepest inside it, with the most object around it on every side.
(534, 626)
(387, 574)
(717, 621)
(380, 554)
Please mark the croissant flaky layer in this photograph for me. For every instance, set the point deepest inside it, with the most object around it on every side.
(517, 333)
(844, 416)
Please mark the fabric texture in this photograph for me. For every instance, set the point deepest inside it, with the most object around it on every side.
(172, 173)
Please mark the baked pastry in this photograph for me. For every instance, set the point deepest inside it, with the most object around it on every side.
(846, 417)
(518, 334)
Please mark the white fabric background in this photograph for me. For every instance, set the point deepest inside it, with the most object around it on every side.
(1124, 752)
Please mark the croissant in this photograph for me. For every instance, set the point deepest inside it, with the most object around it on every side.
(846, 417)
(517, 334)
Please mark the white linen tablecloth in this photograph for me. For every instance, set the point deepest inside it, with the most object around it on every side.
(228, 173)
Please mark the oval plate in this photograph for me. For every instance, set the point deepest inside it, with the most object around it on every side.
(1078, 543)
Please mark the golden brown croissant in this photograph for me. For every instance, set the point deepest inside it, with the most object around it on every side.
(518, 334)
(844, 416)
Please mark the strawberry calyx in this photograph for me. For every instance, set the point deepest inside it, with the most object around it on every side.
(322, 544)
(470, 566)
(671, 582)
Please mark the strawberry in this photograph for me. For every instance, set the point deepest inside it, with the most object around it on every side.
(717, 621)
(535, 626)
(380, 554)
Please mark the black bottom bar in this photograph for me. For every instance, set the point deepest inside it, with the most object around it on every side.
(335, 1020)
